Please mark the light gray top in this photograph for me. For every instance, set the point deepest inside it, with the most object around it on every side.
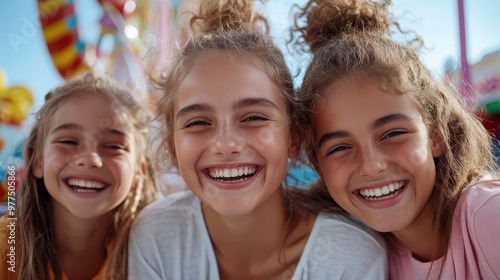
(170, 241)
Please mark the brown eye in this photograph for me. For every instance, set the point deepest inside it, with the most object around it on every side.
(336, 149)
(255, 118)
(393, 133)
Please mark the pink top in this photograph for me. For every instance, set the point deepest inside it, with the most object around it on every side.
(474, 251)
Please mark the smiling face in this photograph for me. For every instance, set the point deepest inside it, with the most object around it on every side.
(89, 157)
(375, 154)
(231, 137)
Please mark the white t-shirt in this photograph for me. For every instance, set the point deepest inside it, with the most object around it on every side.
(170, 241)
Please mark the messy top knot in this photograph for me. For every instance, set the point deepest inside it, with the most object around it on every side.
(321, 21)
(227, 15)
(232, 29)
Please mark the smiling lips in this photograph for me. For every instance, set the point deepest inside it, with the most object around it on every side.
(232, 175)
(385, 192)
(85, 186)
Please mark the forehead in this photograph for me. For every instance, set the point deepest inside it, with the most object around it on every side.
(220, 77)
(92, 111)
(362, 99)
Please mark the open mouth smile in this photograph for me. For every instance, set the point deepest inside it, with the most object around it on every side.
(85, 185)
(232, 175)
(384, 192)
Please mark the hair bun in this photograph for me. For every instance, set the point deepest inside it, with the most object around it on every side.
(325, 20)
(226, 15)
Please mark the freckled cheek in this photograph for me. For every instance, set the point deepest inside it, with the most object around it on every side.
(190, 150)
(56, 160)
(278, 136)
(336, 175)
(410, 159)
(123, 165)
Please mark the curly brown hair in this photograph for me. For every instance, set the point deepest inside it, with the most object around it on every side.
(350, 39)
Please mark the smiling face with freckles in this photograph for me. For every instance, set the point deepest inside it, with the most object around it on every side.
(375, 154)
(89, 157)
(231, 137)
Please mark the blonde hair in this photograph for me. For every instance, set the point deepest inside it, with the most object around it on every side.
(350, 39)
(36, 239)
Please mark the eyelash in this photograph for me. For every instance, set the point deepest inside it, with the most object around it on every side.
(255, 118)
(393, 133)
(115, 147)
(336, 149)
(196, 122)
(68, 142)
(389, 134)
(109, 146)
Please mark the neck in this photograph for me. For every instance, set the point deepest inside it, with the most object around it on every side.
(264, 244)
(422, 238)
(251, 237)
(75, 237)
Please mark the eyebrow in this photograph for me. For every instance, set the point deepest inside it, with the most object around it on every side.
(388, 119)
(194, 108)
(245, 102)
(72, 126)
(376, 124)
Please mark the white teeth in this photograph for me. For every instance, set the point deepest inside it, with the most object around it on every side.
(375, 193)
(385, 190)
(85, 190)
(232, 172)
(85, 184)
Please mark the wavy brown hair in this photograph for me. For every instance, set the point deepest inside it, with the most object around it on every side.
(230, 27)
(37, 254)
(350, 39)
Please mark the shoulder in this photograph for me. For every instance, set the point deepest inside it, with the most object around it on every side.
(477, 211)
(170, 206)
(169, 238)
(7, 229)
(6, 245)
(344, 246)
(480, 199)
(176, 212)
(347, 226)
(476, 225)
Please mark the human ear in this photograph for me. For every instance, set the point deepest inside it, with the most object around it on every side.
(294, 145)
(143, 170)
(315, 164)
(436, 143)
(37, 168)
(173, 155)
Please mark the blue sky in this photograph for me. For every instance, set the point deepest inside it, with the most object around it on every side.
(27, 62)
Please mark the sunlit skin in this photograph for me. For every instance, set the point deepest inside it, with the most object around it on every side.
(366, 139)
(88, 139)
(88, 142)
(231, 115)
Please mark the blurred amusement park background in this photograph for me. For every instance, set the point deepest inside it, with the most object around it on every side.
(44, 42)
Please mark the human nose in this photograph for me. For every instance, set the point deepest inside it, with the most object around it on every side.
(372, 162)
(227, 141)
(88, 156)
